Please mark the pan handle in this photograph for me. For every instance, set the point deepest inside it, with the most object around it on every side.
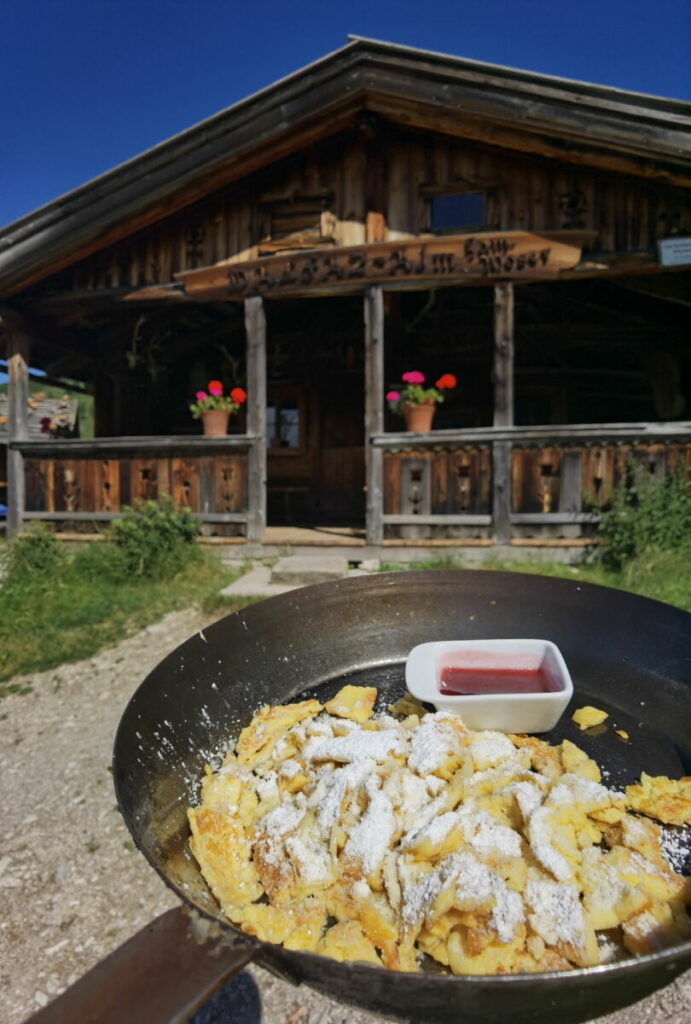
(160, 976)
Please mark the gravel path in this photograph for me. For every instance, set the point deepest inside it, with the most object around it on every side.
(72, 885)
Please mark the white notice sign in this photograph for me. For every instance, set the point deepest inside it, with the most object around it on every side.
(675, 252)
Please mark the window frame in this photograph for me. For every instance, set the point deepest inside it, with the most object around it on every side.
(459, 229)
(275, 395)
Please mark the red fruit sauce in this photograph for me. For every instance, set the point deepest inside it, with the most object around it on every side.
(486, 673)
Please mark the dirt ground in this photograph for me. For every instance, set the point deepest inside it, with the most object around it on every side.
(72, 885)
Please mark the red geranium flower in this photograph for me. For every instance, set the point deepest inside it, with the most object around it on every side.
(447, 380)
(215, 388)
(238, 395)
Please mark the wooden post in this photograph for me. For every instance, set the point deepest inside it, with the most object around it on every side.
(503, 411)
(255, 328)
(17, 425)
(374, 413)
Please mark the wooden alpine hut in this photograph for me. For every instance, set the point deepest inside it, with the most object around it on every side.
(382, 210)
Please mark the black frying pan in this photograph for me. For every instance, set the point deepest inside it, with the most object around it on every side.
(627, 655)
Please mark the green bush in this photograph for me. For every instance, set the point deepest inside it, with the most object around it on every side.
(155, 538)
(646, 514)
(33, 555)
(101, 562)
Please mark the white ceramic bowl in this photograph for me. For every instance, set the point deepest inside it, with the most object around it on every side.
(485, 664)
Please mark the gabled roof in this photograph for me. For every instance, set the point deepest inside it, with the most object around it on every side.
(570, 120)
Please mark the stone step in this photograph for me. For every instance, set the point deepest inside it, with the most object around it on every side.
(301, 570)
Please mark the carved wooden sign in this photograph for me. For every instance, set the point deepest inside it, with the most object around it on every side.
(510, 255)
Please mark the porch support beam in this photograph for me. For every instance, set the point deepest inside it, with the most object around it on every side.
(255, 328)
(374, 413)
(503, 376)
(18, 347)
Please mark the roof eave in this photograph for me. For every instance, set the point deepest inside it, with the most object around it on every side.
(646, 127)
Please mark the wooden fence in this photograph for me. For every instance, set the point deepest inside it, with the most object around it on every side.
(91, 481)
(554, 482)
(441, 484)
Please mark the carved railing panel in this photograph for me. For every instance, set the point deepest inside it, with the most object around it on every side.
(90, 482)
(440, 484)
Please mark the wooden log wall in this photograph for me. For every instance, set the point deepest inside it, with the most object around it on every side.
(202, 483)
(524, 192)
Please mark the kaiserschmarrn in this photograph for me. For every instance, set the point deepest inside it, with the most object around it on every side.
(380, 839)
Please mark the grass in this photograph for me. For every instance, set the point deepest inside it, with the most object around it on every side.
(61, 618)
(71, 611)
(662, 575)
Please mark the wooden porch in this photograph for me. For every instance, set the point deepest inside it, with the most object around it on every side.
(498, 485)
(442, 489)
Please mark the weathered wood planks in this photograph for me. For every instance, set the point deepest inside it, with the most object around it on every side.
(18, 346)
(255, 328)
(382, 193)
(374, 412)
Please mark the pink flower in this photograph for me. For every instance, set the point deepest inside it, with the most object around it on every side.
(392, 396)
(413, 377)
(201, 395)
(215, 388)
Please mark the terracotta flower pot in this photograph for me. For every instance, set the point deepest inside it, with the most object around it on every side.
(215, 422)
(418, 418)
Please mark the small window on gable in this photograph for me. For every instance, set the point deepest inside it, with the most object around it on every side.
(458, 211)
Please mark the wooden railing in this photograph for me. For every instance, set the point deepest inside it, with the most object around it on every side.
(462, 483)
(443, 483)
(220, 480)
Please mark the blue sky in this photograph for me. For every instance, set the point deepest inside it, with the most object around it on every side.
(87, 84)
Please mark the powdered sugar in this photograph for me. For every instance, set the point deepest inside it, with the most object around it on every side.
(474, 881)
(418, 897)
(414, 822)
(489, 748)
(573, 789)
(508, 913)
(266, 786)
(282, 819)
(432, 743)
(361, 890)
(332, 788)
(356, 746)
(488, 836)
(370, 839)
(310, 857)
(434, 832)
(528, 797)
(540, 839)
(676, 847)
(557, 915)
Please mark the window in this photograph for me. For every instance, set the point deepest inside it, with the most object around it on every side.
(458, 211)
(284, 420)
